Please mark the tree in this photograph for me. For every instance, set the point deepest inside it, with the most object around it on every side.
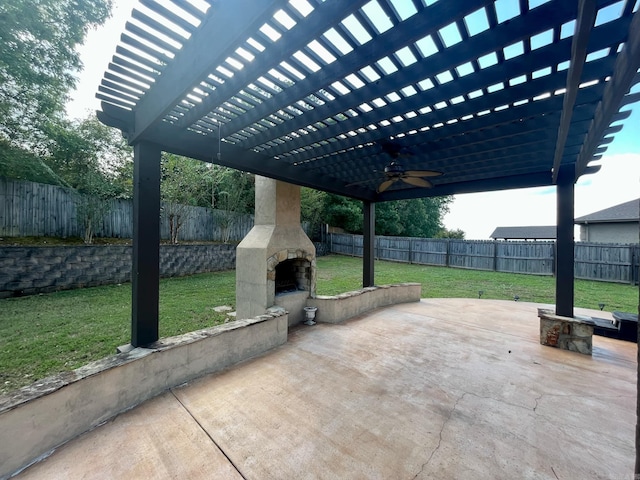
(445, 233)
(38, 59)
(74, 148)
(342, 212)
(183, 184)
(21, 164)
(421, 217)
(233, 194)
(86, 155)
(311, 208)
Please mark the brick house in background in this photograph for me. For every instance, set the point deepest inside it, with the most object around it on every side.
(617, 224)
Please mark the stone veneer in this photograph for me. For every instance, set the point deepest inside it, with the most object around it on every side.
(31, 270)
(573, 334)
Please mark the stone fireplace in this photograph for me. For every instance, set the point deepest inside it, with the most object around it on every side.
(276, 261)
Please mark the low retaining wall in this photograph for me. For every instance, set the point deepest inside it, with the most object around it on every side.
(338, 308)
(43, 416)
(30, 270)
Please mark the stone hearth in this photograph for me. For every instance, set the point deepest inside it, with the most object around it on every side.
(276, 261)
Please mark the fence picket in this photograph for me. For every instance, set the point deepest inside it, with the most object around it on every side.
(605, 262)
(40, 210)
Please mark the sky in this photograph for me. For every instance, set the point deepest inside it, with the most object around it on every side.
(477, 214)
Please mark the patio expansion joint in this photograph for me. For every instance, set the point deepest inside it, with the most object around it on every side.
(208, 435)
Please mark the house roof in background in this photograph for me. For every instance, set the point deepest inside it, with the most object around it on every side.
(624, 212)
(525, 233)
(326, 94)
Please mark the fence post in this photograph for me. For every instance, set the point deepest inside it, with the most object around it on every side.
(410, 251)
(446, 255)
(353, 245)
(495, 256)
(636, 265)
(632, 258)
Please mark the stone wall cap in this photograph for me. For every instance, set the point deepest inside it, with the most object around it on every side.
(551, 315)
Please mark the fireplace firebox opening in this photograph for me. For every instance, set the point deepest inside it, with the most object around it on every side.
(292, 275)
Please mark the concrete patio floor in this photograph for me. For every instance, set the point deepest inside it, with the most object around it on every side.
(443, 388)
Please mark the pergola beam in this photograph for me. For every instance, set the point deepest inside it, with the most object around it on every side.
(320, 20)
(443, 93)
(485, 42)
(625, 70)
(584, 24)
(200, 147)
(385, 44)
(520, 115)
(535, 179)
(188, 68)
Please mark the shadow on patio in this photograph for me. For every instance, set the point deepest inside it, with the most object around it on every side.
(443, 388)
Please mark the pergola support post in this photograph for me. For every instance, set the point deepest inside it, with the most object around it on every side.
(145, 275)
(636, 469)
(369, 230)
(564, 241)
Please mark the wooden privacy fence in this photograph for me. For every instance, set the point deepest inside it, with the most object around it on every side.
(593, 261)
(40, 210)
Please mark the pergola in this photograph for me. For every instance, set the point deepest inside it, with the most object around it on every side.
(326, 94)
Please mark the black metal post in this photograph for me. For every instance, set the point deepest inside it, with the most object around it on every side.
(145, 275)
(564, 241)
(369, 229)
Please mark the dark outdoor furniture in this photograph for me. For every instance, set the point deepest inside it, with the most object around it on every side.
(624, 327)
(628, 326)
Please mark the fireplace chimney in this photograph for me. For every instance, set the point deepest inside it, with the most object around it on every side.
(275, 252)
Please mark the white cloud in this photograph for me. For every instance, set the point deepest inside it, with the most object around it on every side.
(96, 53)
(478, 214)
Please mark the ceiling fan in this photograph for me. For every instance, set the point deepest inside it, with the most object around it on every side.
(395, 171)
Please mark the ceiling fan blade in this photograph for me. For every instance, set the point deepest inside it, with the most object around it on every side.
(361, 182)
(386, 184)
(422, 173)
(417, 182)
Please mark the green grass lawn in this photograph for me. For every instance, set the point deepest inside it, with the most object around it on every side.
(45, 334)
(338, 274)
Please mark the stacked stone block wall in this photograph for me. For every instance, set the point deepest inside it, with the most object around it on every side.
(31, 270)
